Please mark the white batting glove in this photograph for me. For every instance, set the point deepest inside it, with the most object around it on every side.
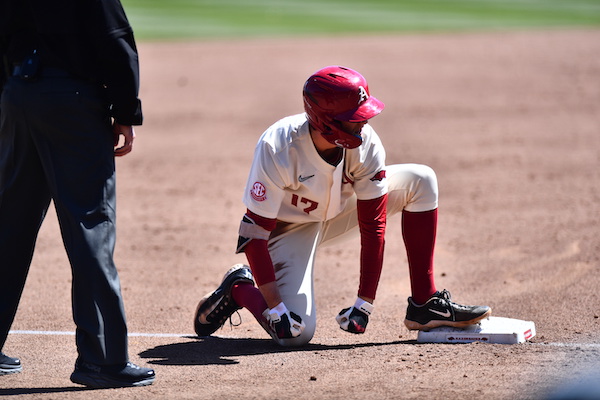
(284, 323)
(355, 319)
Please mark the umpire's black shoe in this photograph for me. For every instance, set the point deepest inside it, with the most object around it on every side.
(214, 308)
(439, 310)
(111, 376)
(9, 365)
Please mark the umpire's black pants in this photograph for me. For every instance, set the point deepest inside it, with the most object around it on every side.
(56, 143)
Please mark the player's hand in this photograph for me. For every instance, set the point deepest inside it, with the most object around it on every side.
(284, 323)
(355, 319)
(128, 134)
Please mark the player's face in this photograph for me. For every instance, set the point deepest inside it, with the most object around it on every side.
(354, 128)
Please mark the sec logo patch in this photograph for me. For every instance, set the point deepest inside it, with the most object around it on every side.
(258, 192)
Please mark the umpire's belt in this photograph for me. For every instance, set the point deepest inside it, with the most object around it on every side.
(46, 72)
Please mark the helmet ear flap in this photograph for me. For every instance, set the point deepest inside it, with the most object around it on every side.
(316, 115)
(320, 117)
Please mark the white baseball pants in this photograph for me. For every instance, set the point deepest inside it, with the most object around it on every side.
(411, 187)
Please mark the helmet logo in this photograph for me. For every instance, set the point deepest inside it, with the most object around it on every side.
(362, 95)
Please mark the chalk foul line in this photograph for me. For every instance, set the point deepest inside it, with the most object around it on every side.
(183, 335)
(67, 333)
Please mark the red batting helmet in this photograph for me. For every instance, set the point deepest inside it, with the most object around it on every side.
(334, 94)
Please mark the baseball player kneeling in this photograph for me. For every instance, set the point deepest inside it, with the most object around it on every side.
(316, 178)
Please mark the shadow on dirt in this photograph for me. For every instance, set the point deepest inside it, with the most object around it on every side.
(43, 390)
(219, 351)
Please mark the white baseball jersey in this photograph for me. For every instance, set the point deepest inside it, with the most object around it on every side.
(290, 181)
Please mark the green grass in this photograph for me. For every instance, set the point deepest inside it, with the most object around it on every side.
(184, 19)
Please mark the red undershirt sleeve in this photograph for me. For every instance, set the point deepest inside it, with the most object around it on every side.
(257, 252)
(372, 222)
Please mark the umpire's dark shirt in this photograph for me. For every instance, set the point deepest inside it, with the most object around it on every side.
(91, 39)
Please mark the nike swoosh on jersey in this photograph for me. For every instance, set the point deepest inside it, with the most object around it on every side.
(443, 314)
(304, 178)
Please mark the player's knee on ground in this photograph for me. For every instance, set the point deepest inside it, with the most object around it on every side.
(301, 340)
(306, 335)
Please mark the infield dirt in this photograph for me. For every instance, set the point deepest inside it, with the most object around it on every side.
(509, 121)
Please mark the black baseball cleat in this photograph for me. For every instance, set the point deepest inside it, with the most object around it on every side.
(111, 376)
(214, 308)
(9, 365)
(439, 310)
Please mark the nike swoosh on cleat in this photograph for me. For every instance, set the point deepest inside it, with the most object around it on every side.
(443, 314)
(304, 178)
